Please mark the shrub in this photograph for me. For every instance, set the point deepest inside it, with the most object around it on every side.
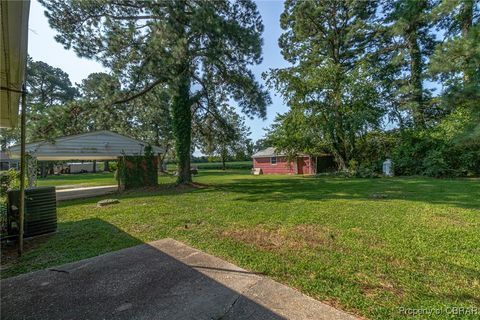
(409, 152)
(112, 166)
(8, 180)
(434, 164)
(373, 149)
(366, 172)
(428, 153)
(138, 171)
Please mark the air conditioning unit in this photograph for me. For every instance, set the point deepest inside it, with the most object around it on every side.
(40, 211)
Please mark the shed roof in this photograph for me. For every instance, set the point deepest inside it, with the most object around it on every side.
(97, 145)
(268, 152)
(271, 152)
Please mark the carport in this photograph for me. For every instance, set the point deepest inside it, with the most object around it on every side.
(92, 146)
(96, 145)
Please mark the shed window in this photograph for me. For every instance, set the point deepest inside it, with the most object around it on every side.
(273, 160)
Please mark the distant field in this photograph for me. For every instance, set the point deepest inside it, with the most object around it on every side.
(217, 165)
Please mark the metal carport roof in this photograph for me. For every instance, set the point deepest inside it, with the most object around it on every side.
(97, 145)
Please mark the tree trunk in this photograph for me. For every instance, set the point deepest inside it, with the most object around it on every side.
(466, 17)
(160, 164)
(182, 128)
(43, 169)
(223, 163)
(339, 159)
(340, 139)
(94, 166)
(106, 166)
(161, 158)
(416, 83)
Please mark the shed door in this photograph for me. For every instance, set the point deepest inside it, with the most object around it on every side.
(300, 165)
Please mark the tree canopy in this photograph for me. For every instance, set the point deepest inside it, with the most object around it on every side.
(366, 80)
(200, 50)
(224, 136)
(331, 79)
(361, 78)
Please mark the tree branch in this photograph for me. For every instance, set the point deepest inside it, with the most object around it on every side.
(141, 93)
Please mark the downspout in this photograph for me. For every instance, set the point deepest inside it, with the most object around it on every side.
(22, 169)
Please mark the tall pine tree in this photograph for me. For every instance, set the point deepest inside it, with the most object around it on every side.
(330, 89)
(412, 39)
(191, 46)
(456, 61)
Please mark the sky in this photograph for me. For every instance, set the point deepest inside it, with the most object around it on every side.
(43, 47)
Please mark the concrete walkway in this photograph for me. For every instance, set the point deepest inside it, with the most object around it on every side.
(84, 192)
(164, 279)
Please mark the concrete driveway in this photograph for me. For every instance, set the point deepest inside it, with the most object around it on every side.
(164, 279)
(84, 192)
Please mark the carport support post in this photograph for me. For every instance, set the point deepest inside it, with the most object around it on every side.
(21, 217)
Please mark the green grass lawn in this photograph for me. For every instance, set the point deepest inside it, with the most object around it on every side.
(107, 178)
(368, 246)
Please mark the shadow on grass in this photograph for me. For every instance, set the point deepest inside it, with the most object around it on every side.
(73, 241)
(459, 192)
(462, 193)
(139, 282)
(163, 190)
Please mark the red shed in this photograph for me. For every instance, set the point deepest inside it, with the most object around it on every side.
(271, 162)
